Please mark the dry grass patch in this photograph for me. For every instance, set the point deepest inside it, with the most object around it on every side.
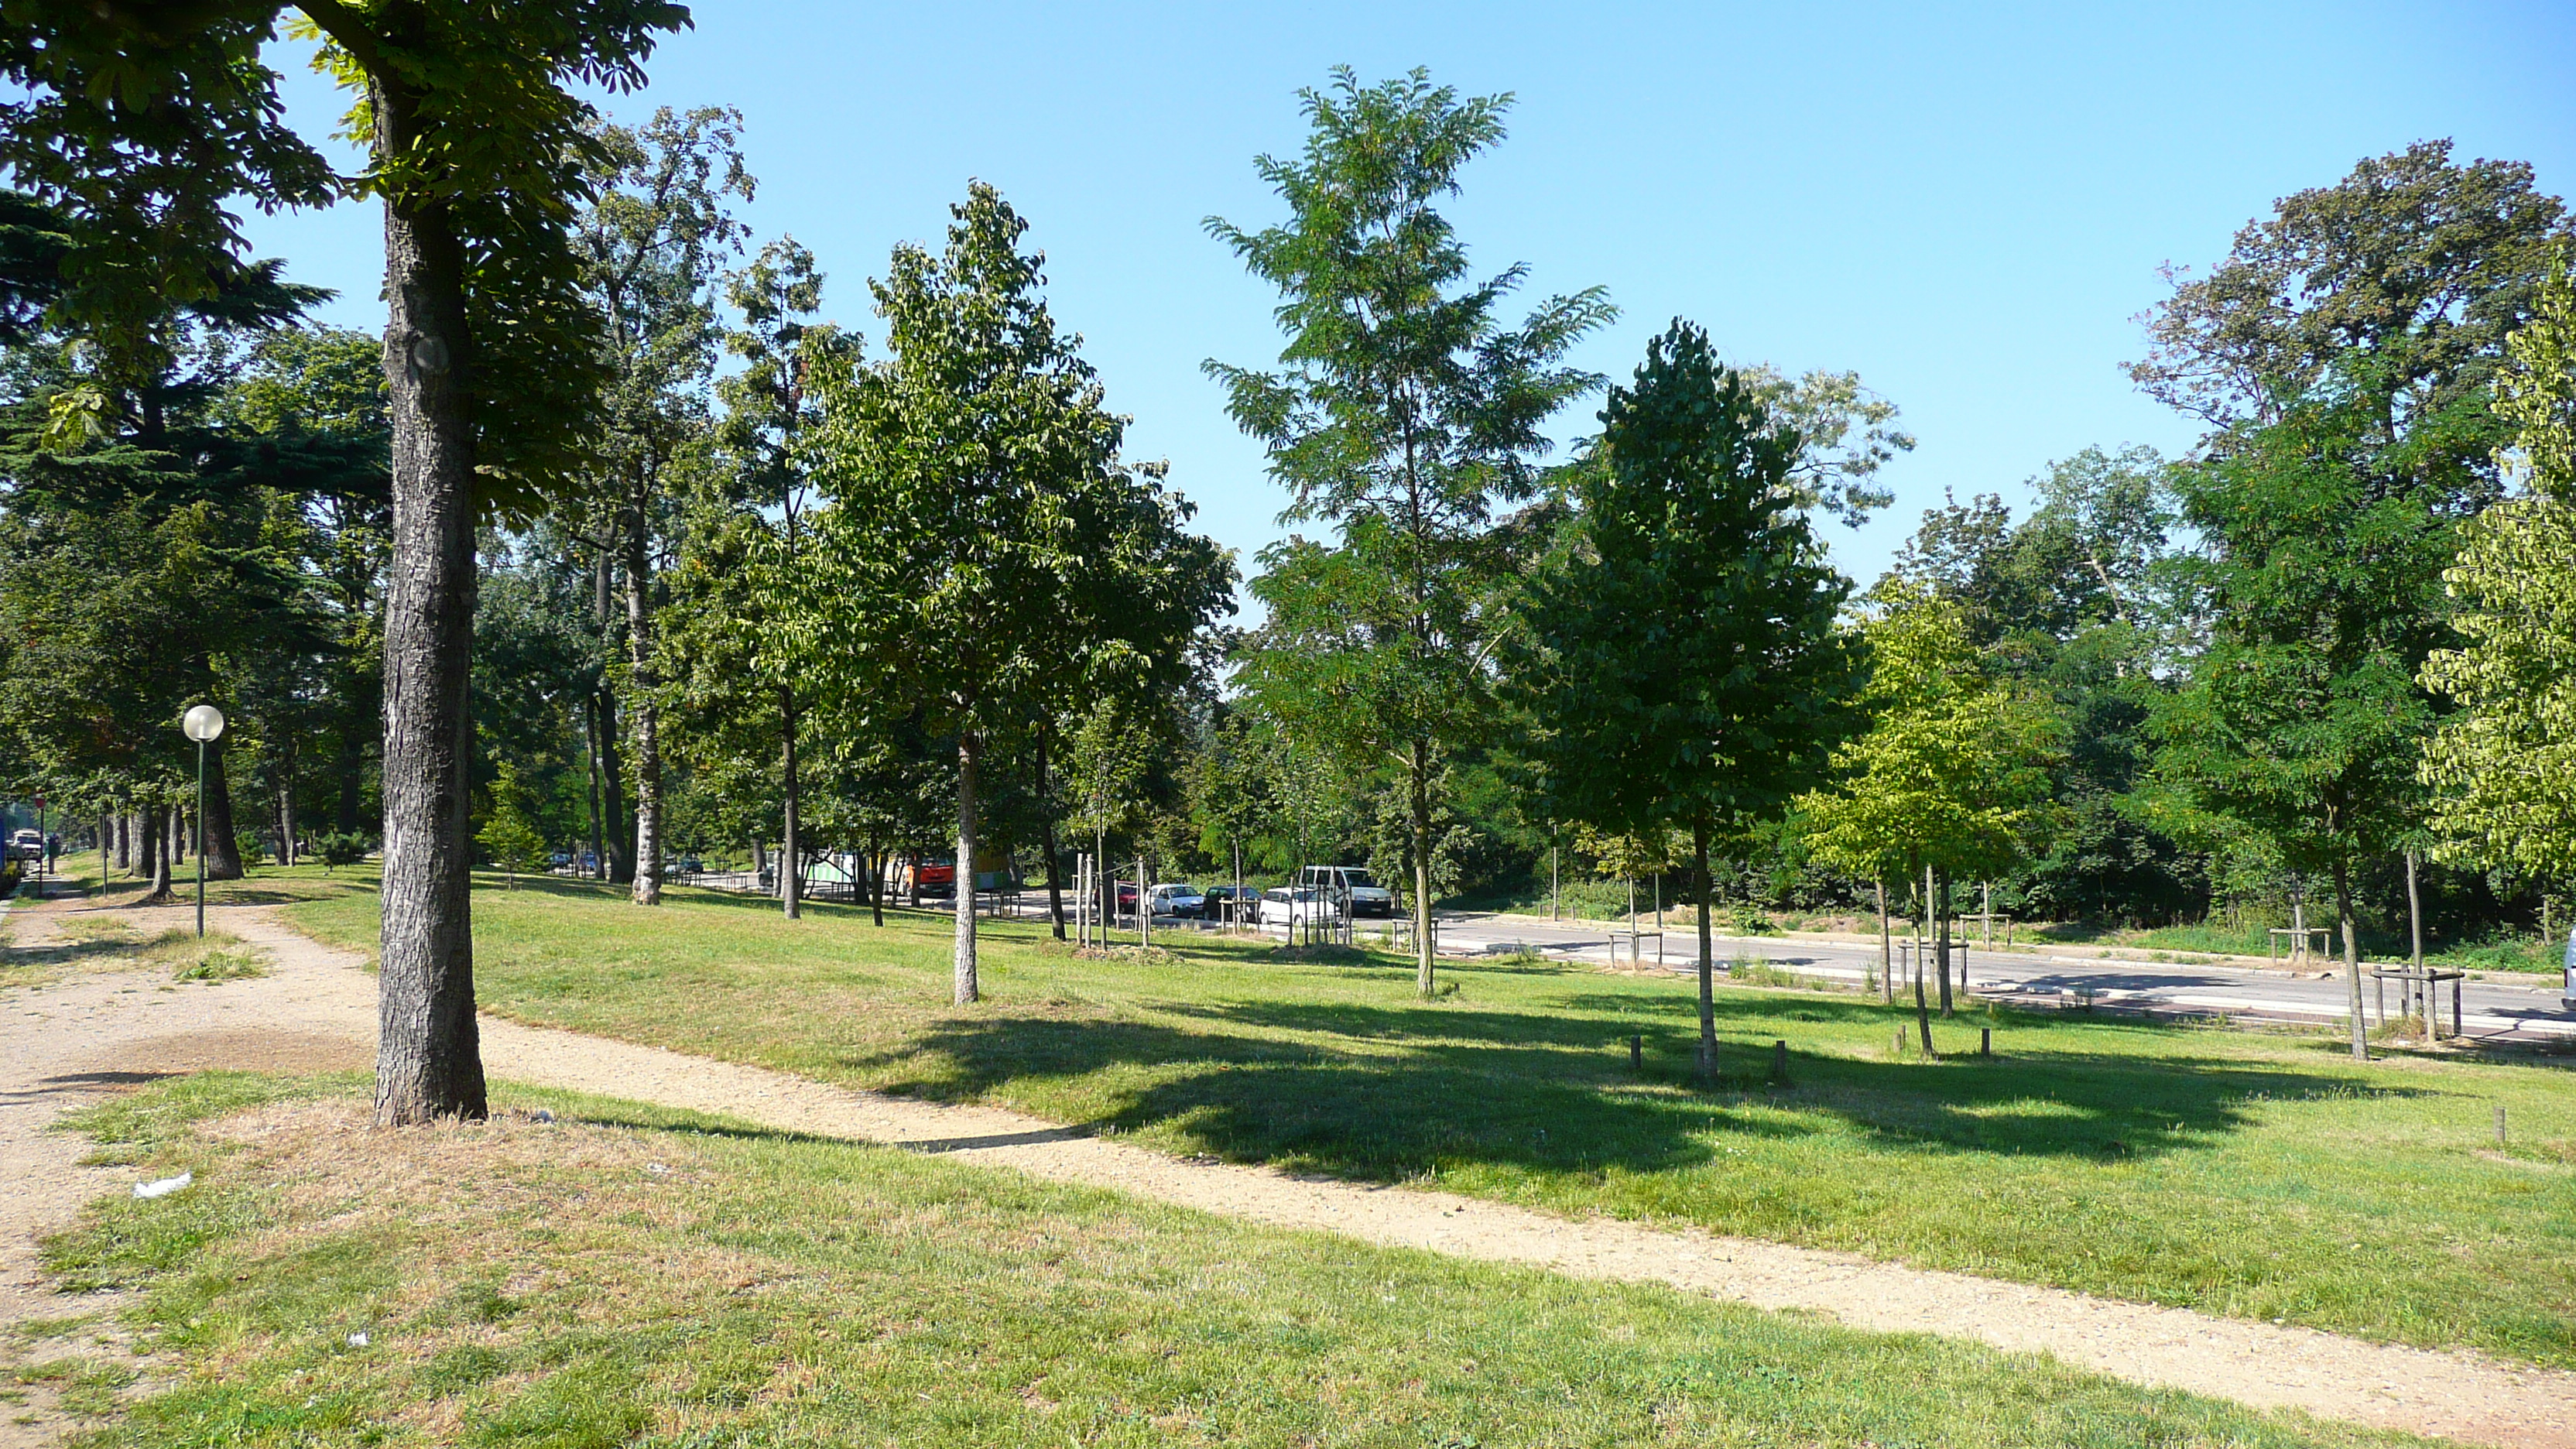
(625, 1275)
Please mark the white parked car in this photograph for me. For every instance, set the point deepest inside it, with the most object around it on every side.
(1178, 900)
(1279, 905)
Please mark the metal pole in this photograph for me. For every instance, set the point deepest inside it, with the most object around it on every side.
(201, 840)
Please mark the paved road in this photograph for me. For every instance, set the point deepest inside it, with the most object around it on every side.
(2490, 1010)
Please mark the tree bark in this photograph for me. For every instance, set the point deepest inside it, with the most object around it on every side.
(598, 823)
(618, 862)
(124, 843)
(790, 894)
(1922, 1010)
(223, 851)
(2351, 957)
(1421, 808)
(643, 717)
(165, 825)
(1046, 835)
(2415, 948)
(1707, 955)
(962, 890)
(352, 775)
(428, 1057)
(1941, 909)
(286, 809)
(1886, 957)
(876, 881)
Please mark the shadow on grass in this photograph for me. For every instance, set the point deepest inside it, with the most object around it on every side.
(1388, 1092)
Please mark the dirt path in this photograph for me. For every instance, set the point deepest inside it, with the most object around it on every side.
(81, 1037)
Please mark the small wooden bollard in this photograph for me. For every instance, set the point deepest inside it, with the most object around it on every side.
(1898, 1045)
(2499, 1124)
(1985, 1041)
(1636, 1053)
(1780, 1062)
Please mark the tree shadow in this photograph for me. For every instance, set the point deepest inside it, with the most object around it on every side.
(1387, 1092)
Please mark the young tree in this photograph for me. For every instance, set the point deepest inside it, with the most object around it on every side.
(1679, 664)
(2319, 573)
(147, 123)
(1405, 410)
(508, 834)
(1950, 778)
(2503, 767)
(984, 555)
(2071, 600)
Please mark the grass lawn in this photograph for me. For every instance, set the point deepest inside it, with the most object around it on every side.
(2254, 1175)
(631, 1276)
(97, 944)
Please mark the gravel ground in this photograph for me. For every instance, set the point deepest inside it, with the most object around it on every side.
(89, 1034)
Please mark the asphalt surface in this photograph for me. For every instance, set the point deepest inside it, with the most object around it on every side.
(2491, 1011)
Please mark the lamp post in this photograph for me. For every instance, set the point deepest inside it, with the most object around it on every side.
(204, 724)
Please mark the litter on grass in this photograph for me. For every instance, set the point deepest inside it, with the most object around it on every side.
(165, 1186)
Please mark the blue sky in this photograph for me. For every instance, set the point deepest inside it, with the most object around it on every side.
(1966, 204)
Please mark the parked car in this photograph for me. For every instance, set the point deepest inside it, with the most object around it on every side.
(1305, 903)
(1179, 899)
(27, 845)
(559, 860)
(1221, 898)
(1352, 883)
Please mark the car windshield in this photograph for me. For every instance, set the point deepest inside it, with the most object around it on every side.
(1354, 876)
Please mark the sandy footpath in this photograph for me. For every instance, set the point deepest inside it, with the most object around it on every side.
(86, 1035)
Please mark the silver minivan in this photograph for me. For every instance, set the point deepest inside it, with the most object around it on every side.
(1351, 883)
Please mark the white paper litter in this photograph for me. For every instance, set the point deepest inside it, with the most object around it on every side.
(357, 1340)
(165, 1186)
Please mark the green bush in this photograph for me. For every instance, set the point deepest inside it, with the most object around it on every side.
(341, 847)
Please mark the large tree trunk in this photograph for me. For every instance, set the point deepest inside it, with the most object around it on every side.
(428, 1059)
(963, 890)
(876, 880)
(223, 852)
(1941, 909)
(124, 843)
(2351, 957)
(1707, 954)
(1886, 957)
(643, 716)
(1421, 808)
(789, 887)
